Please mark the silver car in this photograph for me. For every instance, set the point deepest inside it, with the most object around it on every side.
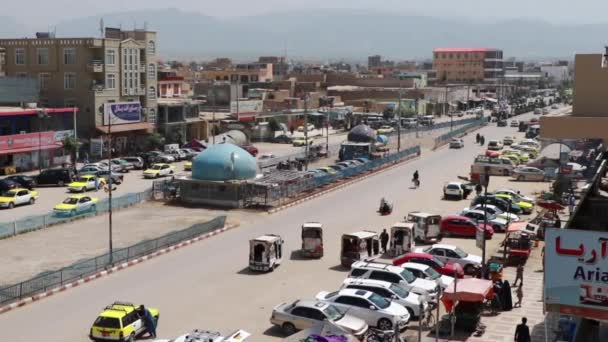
(528, 173)
(303, 314)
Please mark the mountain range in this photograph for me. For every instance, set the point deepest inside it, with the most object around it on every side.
(333, 34)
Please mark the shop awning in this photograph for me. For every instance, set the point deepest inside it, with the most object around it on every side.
(467, 290)
(140, 126)
(29, 149)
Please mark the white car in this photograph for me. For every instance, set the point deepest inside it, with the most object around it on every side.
(456, 143)
(265, 156)
(494, 210)
(508, 140)
(427, 272)
(209, 336)
(498, 224)
(385, 129)
(495, 145)
(17, 196)
(530, 142)
(454, 189)
(375, 310)
(395, 275)
(409, 300)
(303, 314)
(453, 255)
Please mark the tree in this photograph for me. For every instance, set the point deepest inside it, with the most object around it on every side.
(70, 146)
(273, 124)
(154, 141)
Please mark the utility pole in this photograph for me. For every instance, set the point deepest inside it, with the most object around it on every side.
(331, 105)
(213, 119)
(75, 137)
(448, 109)
(399, 118)
(306, 131)
(111, 260)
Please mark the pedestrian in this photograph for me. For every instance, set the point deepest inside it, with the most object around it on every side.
(384, 240)
(477, 138)
(520, 295)
(97, 183)
(478, 189)
(571, 203)
(522, 332)
(519, 274)
(148, 320)
(558, 222)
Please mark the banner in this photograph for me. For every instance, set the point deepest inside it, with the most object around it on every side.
(247, 109)
(576, 272)
(30, 140)
(121, 113)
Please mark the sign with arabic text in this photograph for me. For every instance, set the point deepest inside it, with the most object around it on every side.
(121, 113)
(576, 272)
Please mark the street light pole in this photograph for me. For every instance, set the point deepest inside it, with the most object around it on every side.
(111, 259)
(213, 119)
(306, 131)
(399, 118)
(41, 116)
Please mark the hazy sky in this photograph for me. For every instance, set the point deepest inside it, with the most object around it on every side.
(43, 12)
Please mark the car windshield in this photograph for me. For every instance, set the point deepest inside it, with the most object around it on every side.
(432, 273)
(107, 322)
(453, 186)
(82, 179)
(460, 252)
(380, 302)
(70, 201)
(399, 291)
(156, 167)
(408, 276)
(333, 313)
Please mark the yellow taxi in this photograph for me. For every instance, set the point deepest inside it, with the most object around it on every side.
(158, 170)
(75, 204)
(188, 166)
(86, 182)
(120, 322)
(11, 198)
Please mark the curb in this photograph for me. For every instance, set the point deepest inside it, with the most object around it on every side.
(107, 272)
(460, 135)
(340, 186)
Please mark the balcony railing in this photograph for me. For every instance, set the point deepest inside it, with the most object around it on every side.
(95, 66)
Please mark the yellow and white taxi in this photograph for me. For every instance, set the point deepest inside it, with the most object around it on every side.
(188, 166)
(11, 198)
(159, 170)
(76, 204)
(120, 322)
(86, 182)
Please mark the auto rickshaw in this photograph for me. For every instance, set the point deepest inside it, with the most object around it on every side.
(359, 246)
(426, 227)
(312, 240)
(402, 238)
(265, 252)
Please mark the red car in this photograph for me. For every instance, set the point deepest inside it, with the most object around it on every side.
(251, 149)
(463, 226)
(492, 154)
(432, 261)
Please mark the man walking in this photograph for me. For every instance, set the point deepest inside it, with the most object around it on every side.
(519, 274)
(522, 332)
(148, 320)
(384, 240)
(520, 295)
(571, 203)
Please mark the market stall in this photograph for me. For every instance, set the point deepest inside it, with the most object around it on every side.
(465, 300)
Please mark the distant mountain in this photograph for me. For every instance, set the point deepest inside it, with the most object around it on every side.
(336, 34)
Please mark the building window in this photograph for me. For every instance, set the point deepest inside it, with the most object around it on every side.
(151, 47)
(20, 56)
(151, 71)
(110, 81)
(151, 92)
(69, 80)
(43, 80)
(69, 103)
(69, 56)
(111, 57)
(42, 55)
(21, 74)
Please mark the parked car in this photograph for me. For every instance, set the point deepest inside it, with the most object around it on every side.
(86, 182)
(538, 111)
(393, 292)
(310, 128)
(115, 177)
(301, 142)
(555, 106)
(494, 210)
(59, 177)
(495, 145)
(427, 272)
(17, 196)
(528, 173)
(251, 149)
(508, 140)
(338, 167)
(303, 314)
(26, 182)
(463, 226)
(453, 254)
(159, 170)
(546, 111)
(501, 123)
(373, 309)
(514, 123)
(177, 154)
(455, 190)
(501, 203)
(282, 139)
(456, 143)
(526, 207)
(159, 157)
(75, 204)
(385, 129)
(109, 325)
(327, 170)
(447, 269)
(137, 162)
(190, 153)
(479, 216)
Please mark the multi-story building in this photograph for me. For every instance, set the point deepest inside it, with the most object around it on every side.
(240, 73)
(111, 80)
(467, 64)
(374, 61)
(279, 65)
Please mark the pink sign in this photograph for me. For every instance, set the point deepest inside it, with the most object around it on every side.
(29, 140)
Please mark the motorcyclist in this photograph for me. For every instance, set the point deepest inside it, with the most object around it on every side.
(384, 206)
(415, 179)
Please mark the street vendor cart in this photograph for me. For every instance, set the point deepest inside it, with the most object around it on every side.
(517, 245)
(464, 300)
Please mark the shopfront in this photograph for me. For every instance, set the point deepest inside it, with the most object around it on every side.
(29, 151)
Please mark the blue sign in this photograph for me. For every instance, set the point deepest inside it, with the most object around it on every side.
(122, 113)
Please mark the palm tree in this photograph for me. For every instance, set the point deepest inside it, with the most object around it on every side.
(70, 146)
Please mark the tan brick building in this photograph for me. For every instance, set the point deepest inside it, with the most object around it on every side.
(91, 74)
(463, 65)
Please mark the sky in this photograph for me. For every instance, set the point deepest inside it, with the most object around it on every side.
(34, 13)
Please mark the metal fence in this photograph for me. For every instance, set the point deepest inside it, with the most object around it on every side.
(30, 223)
(81, 269)
(442, 139)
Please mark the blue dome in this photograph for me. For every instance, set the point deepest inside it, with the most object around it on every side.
(215, 164)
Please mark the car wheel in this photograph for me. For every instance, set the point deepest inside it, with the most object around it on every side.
(447, 233)
(469, 269)
(288, 328)
(520, 178)
(73, 212)
(171, 172)
(11, 205)
(93, 208)
(411, 312)
(505, 172)
(60, 183)
(83, 189)
(384, 324)
(32, 200)
(131, 338)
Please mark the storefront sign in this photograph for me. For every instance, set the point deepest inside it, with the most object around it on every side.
(121, 113)
(576, 272)
(30, 140)
(61, 135)
(247, 109)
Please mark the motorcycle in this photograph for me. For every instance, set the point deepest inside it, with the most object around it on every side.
(376, 335)
(385, 208)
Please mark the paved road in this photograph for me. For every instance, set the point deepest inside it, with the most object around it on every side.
(208, 285)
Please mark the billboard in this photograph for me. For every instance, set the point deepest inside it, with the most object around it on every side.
(247, 109)
(576, 272)
(121, 113)
(28, 141)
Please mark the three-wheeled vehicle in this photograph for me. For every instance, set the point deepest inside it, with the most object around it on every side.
(426, 228)
(358, 246)
(265, 252)
(402, 238)
(312, 240)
